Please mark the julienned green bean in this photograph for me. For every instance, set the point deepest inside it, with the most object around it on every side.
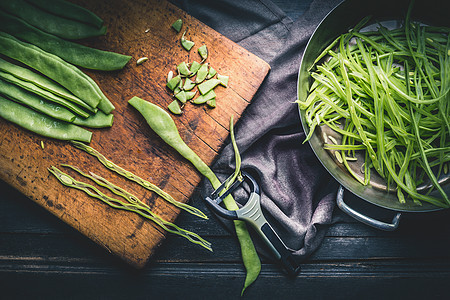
(69, 10)
(42, 82)
(50, 22)
(29, 86)
(142, 182)
(71, 52)
(52, 66)
(163, 125)
(41, 124)
(35, 102)
(389, 94)
(133, 204)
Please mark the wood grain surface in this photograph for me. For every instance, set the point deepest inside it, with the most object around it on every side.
(138, 28)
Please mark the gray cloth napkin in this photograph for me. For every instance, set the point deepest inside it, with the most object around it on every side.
(297, 193)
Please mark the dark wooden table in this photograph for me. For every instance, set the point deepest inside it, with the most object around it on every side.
(41, 257)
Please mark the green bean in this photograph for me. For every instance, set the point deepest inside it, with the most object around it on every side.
(174, 107)
(181, 96)
(134, 204)
(223, 80)
(49, 22)
(163, 125)
(195, 66)
(174, 82)
(177, 25)
(208, 85)
(206, 97)
(142, 182)
(43, 93)
(52, 66)
(69, 10)
(183, 69)
(203, 51)
(188, 85)
(201, 73)
(211, 73)
(35, 102)
(98, 120)
(74, 53)
(186, 43)
(41, 124)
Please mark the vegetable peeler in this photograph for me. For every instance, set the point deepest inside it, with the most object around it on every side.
(251, 212)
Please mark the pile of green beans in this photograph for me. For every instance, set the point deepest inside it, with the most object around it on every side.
(185, 87)
(164, 126)
(37, 34)
(131, 203)
(386, 92)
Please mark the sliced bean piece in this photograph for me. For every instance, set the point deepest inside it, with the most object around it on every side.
(186, 43)
(42, 82)
(40, 123)
(202, 73)
(208, 85)
(173, 83)
(35, 102)
(223, 80)
(169, 76)
(98, 120)
(183, 69)
(177, 25)
(52, 66)
(211, 73)
(49, 22)
(203, 51)
(43, 93)
(188, 85)
(181, 96)
(190, 95)
(211, 103)
(195, 66)
(203, 98)
(69, 10)
(174, 107)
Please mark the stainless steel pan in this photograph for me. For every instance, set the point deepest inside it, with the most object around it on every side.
(343, 17)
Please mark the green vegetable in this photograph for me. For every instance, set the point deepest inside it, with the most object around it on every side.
(51, 22)
(223, 80)
(211, 73)
(74, 53)
(204, 98)
(97, 120)
(42, 82)
(35, 102)
(177, 25)
(69, 10)
(201, 73)
(387, 93)
(188, 85)
(211, 103)
(195, 66)
(186, 43)
(173, 83)
(52, 66)
(163, 125)
(208, 85)
(144, 183)
(183, 69)
(174, 107)
(181, 95)
(41, 124)
(203, 51)
(132, 204)
(43, 93)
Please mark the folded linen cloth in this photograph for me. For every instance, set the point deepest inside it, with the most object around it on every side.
(297, 193)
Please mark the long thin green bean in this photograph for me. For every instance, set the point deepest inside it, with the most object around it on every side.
(142, 182)
(135, 205)
(391, 88)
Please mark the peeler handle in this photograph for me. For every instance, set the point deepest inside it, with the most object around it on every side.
(252, 213)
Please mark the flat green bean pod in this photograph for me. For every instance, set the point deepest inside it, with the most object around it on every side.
(71, 52)
(43, 93)
(35, 102)
(69, 10)
(163, 125)
(52, 66)
(97, 120)
(41, 124)
(42, 82)
(52, 23)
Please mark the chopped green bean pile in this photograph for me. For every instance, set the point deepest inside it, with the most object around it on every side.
(182, 85)
(386, 92)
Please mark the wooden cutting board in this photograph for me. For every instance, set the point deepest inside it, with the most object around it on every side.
(138, 28)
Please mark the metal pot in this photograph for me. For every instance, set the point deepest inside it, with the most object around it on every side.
(343, 17)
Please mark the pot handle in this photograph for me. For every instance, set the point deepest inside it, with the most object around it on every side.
(363, 218)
